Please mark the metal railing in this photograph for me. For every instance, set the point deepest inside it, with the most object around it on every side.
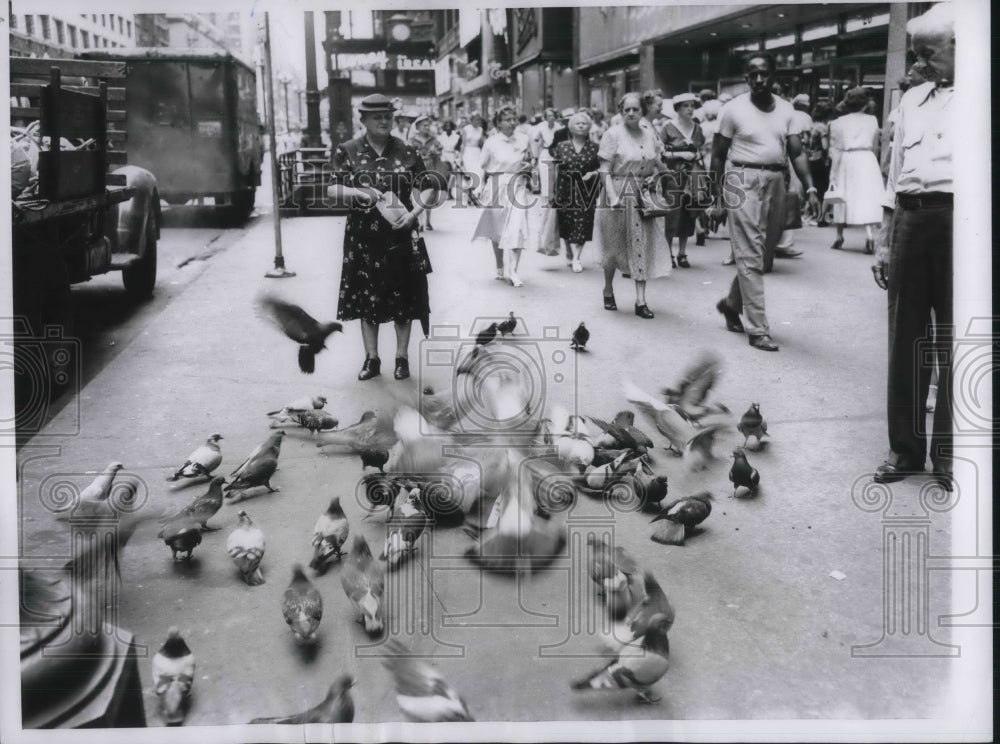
(302, 182)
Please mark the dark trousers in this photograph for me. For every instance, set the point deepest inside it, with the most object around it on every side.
(920, 280)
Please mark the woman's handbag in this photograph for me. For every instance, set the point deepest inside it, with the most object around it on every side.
(834, 195)
(650, 200)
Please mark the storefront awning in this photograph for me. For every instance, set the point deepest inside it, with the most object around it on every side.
(624, 56)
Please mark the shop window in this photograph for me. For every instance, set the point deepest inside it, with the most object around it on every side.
(60, 32)
(745, 48)
(863, 22)
(29, 25)
(821, 31)
(779, 40)
(72, 36)
(44, 21)
(85, 38)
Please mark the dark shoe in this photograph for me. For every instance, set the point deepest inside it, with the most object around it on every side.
(682, 261)
(733, 322)
(673, 262)
(429, 228)
(837, 244)
(787, 253)
(888, 472)
(764, 343)
(643, 311)
(609, 303)
(699, 239)
(626, 276)
(372, 368)
(402, 370)
(869, 246)
(945, 478)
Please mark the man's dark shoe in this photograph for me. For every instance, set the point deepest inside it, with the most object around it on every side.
(372, 368)
(733, 322)
(763, 342)
(945, 478)
(402, 370)
(889, 472)
(787, 253)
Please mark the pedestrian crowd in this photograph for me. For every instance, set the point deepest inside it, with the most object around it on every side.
(660, 171)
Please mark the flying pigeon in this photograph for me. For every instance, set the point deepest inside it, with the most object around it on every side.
(690, 394)
(336, 707)
(173, 677)
(245, 546)
(302, 606)
(623, 433)
(486, 335)
(182, 535)
(752, 424)
(372, 431)
(202, 508)
(632, 670)
(580, 338)
(421, 691)
(202, 461)
(258, 468)
(692, 443)
(363, 579)
(680, 517)
(405, 528)
(742, 473)
(507, 327)
(301, 328)
(329, 535)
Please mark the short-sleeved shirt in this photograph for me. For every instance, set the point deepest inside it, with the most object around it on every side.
(632, 155)
(504, 154)
(923, 145)
(757, 136)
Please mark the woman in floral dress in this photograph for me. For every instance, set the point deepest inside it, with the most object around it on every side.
(385, 266)
(576, 164)
(633, 244)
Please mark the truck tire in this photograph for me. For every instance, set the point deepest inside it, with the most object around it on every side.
(242, 203)
(140, 277)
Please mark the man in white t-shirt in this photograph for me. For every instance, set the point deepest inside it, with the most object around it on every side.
(755, 134)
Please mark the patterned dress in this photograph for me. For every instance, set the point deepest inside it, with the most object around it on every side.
(575, 211)
(629, 242)
(384, 274)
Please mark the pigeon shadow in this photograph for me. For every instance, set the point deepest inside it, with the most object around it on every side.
(308, 652)
(188, 568)
(246, 494)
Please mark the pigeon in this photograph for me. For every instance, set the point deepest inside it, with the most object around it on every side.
(421, 692)
(486, 335)
(201, 509)
(612, 571)
(623, 433)
(650, 603)
(93, 500)
(202, 461)
(182, 535)
(173, 677)
(363, 579)
(693, 444)
(405, 528)
(680, 517)
(372, 431)
(752, 424)
(258, 468)
(372, 457)
(379, 490)
(651, 489)
(690, 394)
(580, 338)
(507, 327)
(438, 408)
(302, 606)
(314, 420)
(298, 405)
(598, 477)
(100, 488)
(631, 670)
(301, 328)
(336, 707)
(245, 546)
(329, 535)
(742, 473)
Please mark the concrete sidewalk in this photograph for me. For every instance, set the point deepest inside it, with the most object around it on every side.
(762, 630)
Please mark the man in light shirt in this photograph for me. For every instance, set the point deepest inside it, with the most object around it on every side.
(914, 258)
(755, 134)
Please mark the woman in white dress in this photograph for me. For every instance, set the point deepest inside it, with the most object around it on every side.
(451, 143)
(630, 243)
(506, 166)
(854, 169)
(473, 135)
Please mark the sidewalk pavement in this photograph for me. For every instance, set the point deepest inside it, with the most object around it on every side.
(762, 629)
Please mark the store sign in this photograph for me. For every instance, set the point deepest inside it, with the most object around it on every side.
(380, 61)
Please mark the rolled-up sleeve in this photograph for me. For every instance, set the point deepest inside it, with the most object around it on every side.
(895, 162)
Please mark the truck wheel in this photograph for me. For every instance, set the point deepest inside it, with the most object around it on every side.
(140, 277)
(242, 203)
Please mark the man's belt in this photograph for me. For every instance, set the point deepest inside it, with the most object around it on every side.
(929, 200)
(761, 166)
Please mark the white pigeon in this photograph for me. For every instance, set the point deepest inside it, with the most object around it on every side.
(245, 545)
(100, 487)
(202, 461)
(173, 677)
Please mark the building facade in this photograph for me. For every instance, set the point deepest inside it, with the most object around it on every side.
(65, 34)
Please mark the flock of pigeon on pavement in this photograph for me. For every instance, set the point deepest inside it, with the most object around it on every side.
(503, 493)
